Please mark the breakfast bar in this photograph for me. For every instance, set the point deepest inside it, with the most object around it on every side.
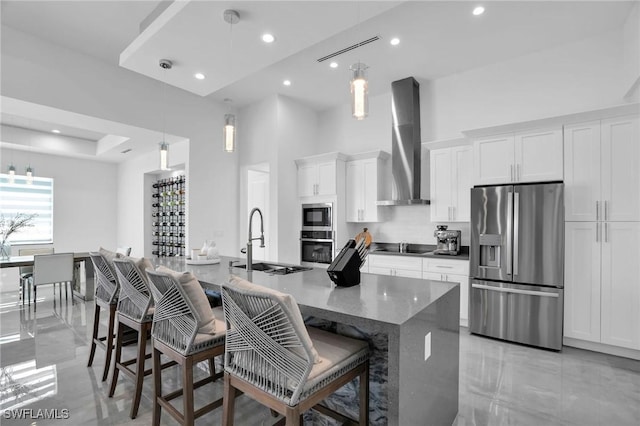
(417, 318)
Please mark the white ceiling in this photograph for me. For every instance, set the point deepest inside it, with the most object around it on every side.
(438, 38)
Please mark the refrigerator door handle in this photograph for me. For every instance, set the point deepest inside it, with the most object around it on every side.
(516, 232)
(597, 231)
(606, 232)
(605, 210)
(515, 291)
(597, 210)
(509, 229)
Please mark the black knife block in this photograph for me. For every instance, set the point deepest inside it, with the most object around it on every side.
(344, 271)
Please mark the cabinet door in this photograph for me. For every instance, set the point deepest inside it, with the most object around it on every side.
(493, 160)
(354, 194)
(326, 178)
(464, 296)
(370, 190)
(441, 185)
(620, 169)
(407, 273)
(461, 172)
(582, 281)
(380, 270)
(621, 284)
(582, 172)
(307, 179)
(538, 156)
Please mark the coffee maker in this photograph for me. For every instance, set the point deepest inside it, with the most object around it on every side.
(447, 241)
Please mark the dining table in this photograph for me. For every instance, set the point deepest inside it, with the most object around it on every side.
(82, 288)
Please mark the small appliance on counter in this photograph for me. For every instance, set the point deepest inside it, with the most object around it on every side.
(447, 241)
(344, 271)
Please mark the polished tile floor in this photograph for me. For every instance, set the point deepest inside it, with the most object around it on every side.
(43, 357)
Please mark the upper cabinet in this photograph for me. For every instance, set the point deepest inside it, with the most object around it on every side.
(602, 177)
(317, 175)
(364, 186)
(451, 171)
(528, 156)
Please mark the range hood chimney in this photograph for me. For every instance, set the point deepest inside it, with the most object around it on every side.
(405, 143)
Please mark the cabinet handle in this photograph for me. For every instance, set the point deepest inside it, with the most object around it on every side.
(597, 210)
(597, 231)
(453, 213)
(518, 173)
(511, 172)
(606, 205)
(606, 232)
(444, 267)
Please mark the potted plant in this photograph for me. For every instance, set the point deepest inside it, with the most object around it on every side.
(8, 227)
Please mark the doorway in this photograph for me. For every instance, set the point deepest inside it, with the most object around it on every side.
(258, 196)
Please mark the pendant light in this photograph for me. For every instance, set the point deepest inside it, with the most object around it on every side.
(29, 169)
(12, 171)
(229, 132)
(165, 64)
(359, 91)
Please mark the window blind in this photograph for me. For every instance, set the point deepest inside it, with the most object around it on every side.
(21, 197)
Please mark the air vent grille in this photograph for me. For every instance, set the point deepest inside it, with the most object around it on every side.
(349, 48)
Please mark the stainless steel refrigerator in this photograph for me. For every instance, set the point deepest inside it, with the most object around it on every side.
(517, 263)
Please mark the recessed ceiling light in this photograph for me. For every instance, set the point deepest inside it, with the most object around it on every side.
(199, 76)
(333, 65)
(287, 82)
(268, 38)
(55, 131)
(478, 11)
(395, 41)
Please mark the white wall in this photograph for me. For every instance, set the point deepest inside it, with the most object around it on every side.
(37, 71)
(631, 32)
(84, 197)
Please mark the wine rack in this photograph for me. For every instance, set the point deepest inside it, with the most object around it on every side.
(168, 217)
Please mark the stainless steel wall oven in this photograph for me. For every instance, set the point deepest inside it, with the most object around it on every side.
(316, 237)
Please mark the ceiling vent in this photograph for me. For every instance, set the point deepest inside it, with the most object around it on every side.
(349, 48)
(126, 150)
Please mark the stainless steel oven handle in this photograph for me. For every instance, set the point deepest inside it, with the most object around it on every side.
(515, 291)
(316, 240)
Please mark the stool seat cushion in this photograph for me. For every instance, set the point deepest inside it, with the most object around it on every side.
(290, 303)
(195, 293)
(216, 338)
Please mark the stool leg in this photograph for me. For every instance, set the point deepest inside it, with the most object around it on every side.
(187, 388)
(142, 353)
(96, 322)
(292, 416)
(116, 370)
(109, 341)
(35, 296)
(157, 385)
(228, 402)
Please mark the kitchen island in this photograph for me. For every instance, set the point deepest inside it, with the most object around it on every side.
(418, 318)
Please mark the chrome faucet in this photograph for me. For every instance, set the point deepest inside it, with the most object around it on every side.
(249, 249)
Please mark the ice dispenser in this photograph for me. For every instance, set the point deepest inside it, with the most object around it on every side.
(490, 245)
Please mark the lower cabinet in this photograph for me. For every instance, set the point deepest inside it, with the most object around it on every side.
(602, 283)
(400, 266)
(452, 271)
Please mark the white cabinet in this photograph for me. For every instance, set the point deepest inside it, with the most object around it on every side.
(401, 266)
(452, 271)
(364, 187)
(451, 184)
(602, 282)
(319, 175)
(531, 156)
(602, 177)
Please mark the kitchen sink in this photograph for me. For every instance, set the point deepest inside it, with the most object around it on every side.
(274, 268)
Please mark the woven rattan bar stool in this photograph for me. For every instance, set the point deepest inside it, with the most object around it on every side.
(272, 357)
(176, 334)
(106, 298)
(135, 311)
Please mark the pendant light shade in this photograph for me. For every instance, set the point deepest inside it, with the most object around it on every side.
(29, 173)
(164, 156)
(359, 91)
(229, 133)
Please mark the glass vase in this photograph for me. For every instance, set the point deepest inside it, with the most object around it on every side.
(5, 250)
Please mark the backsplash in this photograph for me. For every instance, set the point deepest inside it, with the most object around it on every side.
(406, 223)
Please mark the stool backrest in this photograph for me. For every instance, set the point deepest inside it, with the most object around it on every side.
(134, 299)
(175, 320)
(52, 268)
(263, 344)
(106, 284)
(125, 251)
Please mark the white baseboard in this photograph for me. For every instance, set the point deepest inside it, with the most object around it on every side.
(601, 347)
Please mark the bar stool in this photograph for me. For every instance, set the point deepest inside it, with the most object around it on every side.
(182, 332)
(106, 298)
(135, 311)
(279, 362)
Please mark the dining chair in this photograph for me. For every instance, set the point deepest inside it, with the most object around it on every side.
(106, 297)
(275, 359)
(52, 269)
(26, 272)
(177, 333)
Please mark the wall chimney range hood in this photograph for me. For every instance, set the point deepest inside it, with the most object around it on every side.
(405, 144)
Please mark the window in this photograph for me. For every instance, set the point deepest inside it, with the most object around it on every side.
(20, 197)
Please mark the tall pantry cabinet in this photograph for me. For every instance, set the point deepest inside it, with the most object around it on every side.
(602, 231)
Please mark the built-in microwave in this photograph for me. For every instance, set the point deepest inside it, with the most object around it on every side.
(317, 217)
